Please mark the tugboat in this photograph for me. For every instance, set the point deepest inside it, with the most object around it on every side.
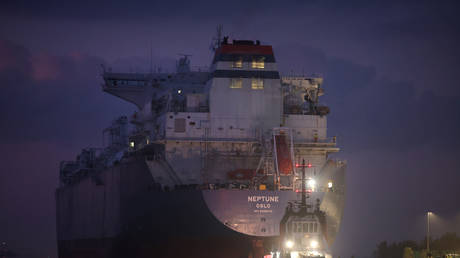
(303, 228)
(211, 167)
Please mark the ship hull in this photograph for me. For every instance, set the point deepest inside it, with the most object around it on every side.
(177, 224)
(121, 212)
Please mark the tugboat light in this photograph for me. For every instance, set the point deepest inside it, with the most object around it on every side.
(289, 244)
(294, 254)
(315, 253)
(329, 185)
(314, 244)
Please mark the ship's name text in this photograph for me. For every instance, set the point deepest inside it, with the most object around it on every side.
(256, 198)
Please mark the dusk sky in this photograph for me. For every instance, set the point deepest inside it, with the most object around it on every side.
(390, 74)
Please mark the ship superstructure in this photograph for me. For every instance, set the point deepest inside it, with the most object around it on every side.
(235, 139)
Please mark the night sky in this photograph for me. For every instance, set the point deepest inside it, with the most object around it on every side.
(391, 77)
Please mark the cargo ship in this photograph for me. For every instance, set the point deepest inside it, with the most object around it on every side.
(233, 161)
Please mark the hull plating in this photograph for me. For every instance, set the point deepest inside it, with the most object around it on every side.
(109, 219)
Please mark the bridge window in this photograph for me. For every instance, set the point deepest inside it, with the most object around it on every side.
(315, 229)
(238, 63)
(236, 83)
(257, 84)
(305, 227)
(258, 62)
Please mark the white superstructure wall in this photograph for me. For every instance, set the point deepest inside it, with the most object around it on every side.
(245, 108)
(307, 127)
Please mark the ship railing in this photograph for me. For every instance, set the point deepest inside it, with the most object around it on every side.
(329, 141)
(214, 186)
(142, 79)
(237, 186)
(201, 139)
(318, 141)
(294, 75)
(322, 189)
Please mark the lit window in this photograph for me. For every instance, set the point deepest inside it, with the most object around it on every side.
(238, 63)
(258, 62)
(236, 83)
(257, 84)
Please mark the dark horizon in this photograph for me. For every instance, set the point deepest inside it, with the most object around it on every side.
(390, 76)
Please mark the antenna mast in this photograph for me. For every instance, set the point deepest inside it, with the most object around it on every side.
(217, 40)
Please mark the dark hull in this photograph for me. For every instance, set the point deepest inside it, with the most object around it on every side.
(170, 247)
(127, 216)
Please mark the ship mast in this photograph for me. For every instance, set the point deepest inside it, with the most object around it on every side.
(303, 204)
(217, 39)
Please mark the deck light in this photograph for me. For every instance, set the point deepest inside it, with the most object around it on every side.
(314, 244)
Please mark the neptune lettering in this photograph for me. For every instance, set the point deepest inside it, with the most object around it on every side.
(256, 198)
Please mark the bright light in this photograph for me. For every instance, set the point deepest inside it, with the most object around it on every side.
(314, 244)
(289, 244)
(329, 185)
(294, 254)
(315, 253)
(311, 183)
(179, 91)
(309, 165)
(131, 144)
